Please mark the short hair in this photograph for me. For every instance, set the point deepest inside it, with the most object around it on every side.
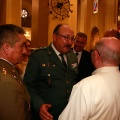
(80, 34)
(8, 34)
(56, 30)
(106, 52)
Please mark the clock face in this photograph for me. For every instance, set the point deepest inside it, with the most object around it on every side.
(24, 13)
(60, 8)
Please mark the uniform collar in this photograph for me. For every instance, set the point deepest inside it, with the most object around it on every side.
(7, 61)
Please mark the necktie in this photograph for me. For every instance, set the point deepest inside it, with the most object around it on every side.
(63, 61)
(77, 56)
(76, 53)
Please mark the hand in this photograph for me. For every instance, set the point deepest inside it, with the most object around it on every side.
(44, 114)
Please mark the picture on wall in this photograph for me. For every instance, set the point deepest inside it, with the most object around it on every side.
(95, 6)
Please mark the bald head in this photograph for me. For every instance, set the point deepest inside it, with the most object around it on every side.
(112, 43)
(109, 50)
(112, 33)
(63, 38)
(59, 26)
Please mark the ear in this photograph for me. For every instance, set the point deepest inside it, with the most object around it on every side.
(97, 54)
(6, 48)
(96, 60)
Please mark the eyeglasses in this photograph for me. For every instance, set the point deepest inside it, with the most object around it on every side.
(96, 50)
(67, 38)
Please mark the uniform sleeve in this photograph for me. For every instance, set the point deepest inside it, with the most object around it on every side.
(31, 80)
(80, 103)
(12, 101)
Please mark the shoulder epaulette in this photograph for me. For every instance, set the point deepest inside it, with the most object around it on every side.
(40, 48)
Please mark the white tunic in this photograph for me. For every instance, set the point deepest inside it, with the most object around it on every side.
(96, 97)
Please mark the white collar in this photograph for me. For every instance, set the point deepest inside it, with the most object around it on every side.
(58, 53)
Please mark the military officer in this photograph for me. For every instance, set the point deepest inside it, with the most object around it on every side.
(14, 98)
(48, 80)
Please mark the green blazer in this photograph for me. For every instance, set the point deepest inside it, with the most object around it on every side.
(49, 81)
(14, 98)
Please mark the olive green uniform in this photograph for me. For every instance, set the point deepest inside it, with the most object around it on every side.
(14, 98)
(49, 81)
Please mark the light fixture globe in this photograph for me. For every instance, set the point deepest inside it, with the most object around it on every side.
(24, 13)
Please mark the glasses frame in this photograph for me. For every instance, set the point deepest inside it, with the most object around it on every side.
(67, 38)
(95, 50)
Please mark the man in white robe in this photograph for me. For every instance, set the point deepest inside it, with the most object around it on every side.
(98, 97)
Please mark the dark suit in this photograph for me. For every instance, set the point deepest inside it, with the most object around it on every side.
(14, 98)
(49, 81)
(85, 66)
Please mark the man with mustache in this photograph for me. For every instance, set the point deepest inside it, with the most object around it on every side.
(50, 78)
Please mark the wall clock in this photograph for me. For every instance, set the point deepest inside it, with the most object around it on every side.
(60, 8)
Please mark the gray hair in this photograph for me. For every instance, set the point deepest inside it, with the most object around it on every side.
(109, 50)
(9, 34)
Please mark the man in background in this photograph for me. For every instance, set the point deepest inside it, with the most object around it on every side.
(14, 98)
(112, 33)
(85, 66)
(97, 97)
(50, 75)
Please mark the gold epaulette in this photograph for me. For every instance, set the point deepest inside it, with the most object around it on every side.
(40, 48)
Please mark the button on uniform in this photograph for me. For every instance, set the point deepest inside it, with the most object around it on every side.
(67, 81)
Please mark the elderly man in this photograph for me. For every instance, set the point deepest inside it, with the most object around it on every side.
(97, 97)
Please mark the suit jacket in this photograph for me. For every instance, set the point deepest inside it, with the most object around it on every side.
(14, 98)
(85, 66)
(49, 81)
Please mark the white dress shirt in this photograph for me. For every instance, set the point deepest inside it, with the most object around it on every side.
(96, 97)
(58, 54)
(78, 56)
